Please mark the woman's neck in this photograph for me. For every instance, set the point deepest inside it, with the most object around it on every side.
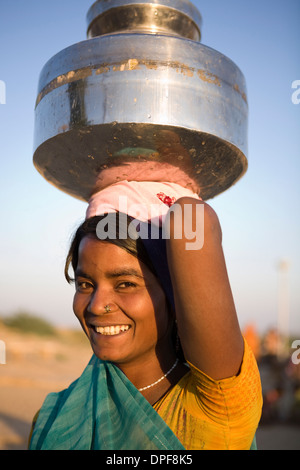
(149, 371)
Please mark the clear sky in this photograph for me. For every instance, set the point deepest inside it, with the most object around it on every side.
(259, 215)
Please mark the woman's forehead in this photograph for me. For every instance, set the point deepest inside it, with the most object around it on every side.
(109, 258)
(91, 247)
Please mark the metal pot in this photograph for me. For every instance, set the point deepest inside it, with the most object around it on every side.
(141, 89)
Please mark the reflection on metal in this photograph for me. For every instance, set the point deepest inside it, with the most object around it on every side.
(141, 89)
(171, 17)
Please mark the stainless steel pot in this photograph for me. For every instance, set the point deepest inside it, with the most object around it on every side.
(141, 89)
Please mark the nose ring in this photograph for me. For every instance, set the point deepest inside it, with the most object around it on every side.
(107, 308)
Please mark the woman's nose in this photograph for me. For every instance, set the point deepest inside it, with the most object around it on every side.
(101, 304)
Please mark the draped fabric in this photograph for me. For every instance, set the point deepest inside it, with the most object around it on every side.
(102, 410)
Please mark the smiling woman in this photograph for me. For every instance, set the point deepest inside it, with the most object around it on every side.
(120, 302)
(170, 368)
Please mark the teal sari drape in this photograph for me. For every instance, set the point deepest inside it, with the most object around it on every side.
(101, 410)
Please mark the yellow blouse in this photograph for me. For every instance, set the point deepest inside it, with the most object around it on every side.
(215, 414)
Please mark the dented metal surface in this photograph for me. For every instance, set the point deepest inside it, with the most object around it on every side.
(120, 91)
(130, 64)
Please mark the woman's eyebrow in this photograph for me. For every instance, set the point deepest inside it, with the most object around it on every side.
(124, 272)
(80, 273)
(113, 274)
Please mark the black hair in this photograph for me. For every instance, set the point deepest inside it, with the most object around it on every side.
(88, 228)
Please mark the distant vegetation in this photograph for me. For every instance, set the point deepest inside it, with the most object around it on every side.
(28, 323)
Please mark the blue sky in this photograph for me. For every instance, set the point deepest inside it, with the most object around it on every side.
(259, 215)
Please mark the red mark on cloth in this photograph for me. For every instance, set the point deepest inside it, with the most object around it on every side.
(169, 201)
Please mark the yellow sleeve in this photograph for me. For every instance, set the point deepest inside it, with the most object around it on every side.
(234, 403)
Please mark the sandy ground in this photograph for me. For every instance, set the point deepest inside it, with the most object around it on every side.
(36, 366)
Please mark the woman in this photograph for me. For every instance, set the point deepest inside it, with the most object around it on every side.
(138, 392)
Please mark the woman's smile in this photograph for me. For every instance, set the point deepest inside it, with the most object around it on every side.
(113, 330)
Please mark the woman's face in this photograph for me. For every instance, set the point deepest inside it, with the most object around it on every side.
(138, 324)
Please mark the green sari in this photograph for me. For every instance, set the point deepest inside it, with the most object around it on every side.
(102, 410)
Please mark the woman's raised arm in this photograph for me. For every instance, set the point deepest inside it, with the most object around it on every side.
(206, 317)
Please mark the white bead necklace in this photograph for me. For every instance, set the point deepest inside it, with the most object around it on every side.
(162, 378)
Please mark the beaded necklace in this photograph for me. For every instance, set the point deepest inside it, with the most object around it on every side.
(162, 378)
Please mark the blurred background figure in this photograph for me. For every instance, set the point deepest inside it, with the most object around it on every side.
(280, 377)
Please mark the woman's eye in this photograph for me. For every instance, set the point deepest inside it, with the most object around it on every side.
(83, 285)
(126, 285)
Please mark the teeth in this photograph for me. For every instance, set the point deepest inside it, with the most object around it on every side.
(111, 330)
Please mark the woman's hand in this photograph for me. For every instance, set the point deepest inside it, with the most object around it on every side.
(206, 317)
